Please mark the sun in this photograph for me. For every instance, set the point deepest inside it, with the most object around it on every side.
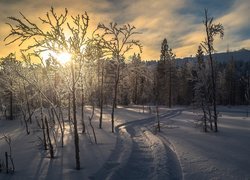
(61, 57)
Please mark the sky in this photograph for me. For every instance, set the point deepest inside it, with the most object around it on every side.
(179, 21)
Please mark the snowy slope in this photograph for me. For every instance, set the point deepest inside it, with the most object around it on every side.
(222, 155)
(33, 163)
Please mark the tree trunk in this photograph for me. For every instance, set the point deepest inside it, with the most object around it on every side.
(28, 105)
(115, 96)
(11, 105)
(82, 107)
(61, 113)
(51, 150)
(212, 73)
(76, 137)
(101, 98)
(170, 85)
(69, 107)
(25, 122)
(43, 125)
(90, 123)
(135, 90)
(204, 116)
(6, 162)
(114, 104)
(60, 124)
(44, 134)
(158, 118)
(210, 119)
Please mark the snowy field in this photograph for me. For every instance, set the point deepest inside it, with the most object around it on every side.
(222, 155)
(180, 151)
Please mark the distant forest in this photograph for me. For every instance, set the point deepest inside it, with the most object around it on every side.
(232, 70)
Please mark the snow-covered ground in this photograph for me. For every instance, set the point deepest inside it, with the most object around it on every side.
(136, 151)
(222, 155)
(31, 162)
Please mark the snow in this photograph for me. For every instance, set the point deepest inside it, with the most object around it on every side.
(137, 151)
(222, 155)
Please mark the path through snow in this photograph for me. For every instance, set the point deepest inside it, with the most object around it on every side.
(139, 154)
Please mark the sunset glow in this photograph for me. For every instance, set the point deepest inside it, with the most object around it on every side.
(62, 57)
(180, 22)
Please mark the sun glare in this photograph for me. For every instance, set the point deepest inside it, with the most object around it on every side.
(62, 57)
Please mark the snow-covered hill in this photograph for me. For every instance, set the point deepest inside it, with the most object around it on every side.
(224, 57)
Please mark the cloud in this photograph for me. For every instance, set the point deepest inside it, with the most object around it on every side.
(180, 21)
(158, 20)
(237, 26)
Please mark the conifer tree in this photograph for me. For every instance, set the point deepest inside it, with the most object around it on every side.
(165, 69)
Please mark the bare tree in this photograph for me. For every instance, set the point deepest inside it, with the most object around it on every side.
(211, 31)
(55, 39)
(116, 42)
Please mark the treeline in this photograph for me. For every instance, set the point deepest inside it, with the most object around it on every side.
(232, 79)
(142, 83)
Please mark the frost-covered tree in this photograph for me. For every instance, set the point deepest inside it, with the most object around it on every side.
(53, 38)
(212, 30)
(95, 57)
(246, 82)
(135, 72)
(116, 41)
(202, 88)
(8, 82)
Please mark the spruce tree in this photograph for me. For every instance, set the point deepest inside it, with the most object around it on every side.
(165, 70)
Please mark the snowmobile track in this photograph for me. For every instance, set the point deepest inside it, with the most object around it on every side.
(138, 154)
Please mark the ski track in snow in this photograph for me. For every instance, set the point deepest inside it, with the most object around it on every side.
(139, 154)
